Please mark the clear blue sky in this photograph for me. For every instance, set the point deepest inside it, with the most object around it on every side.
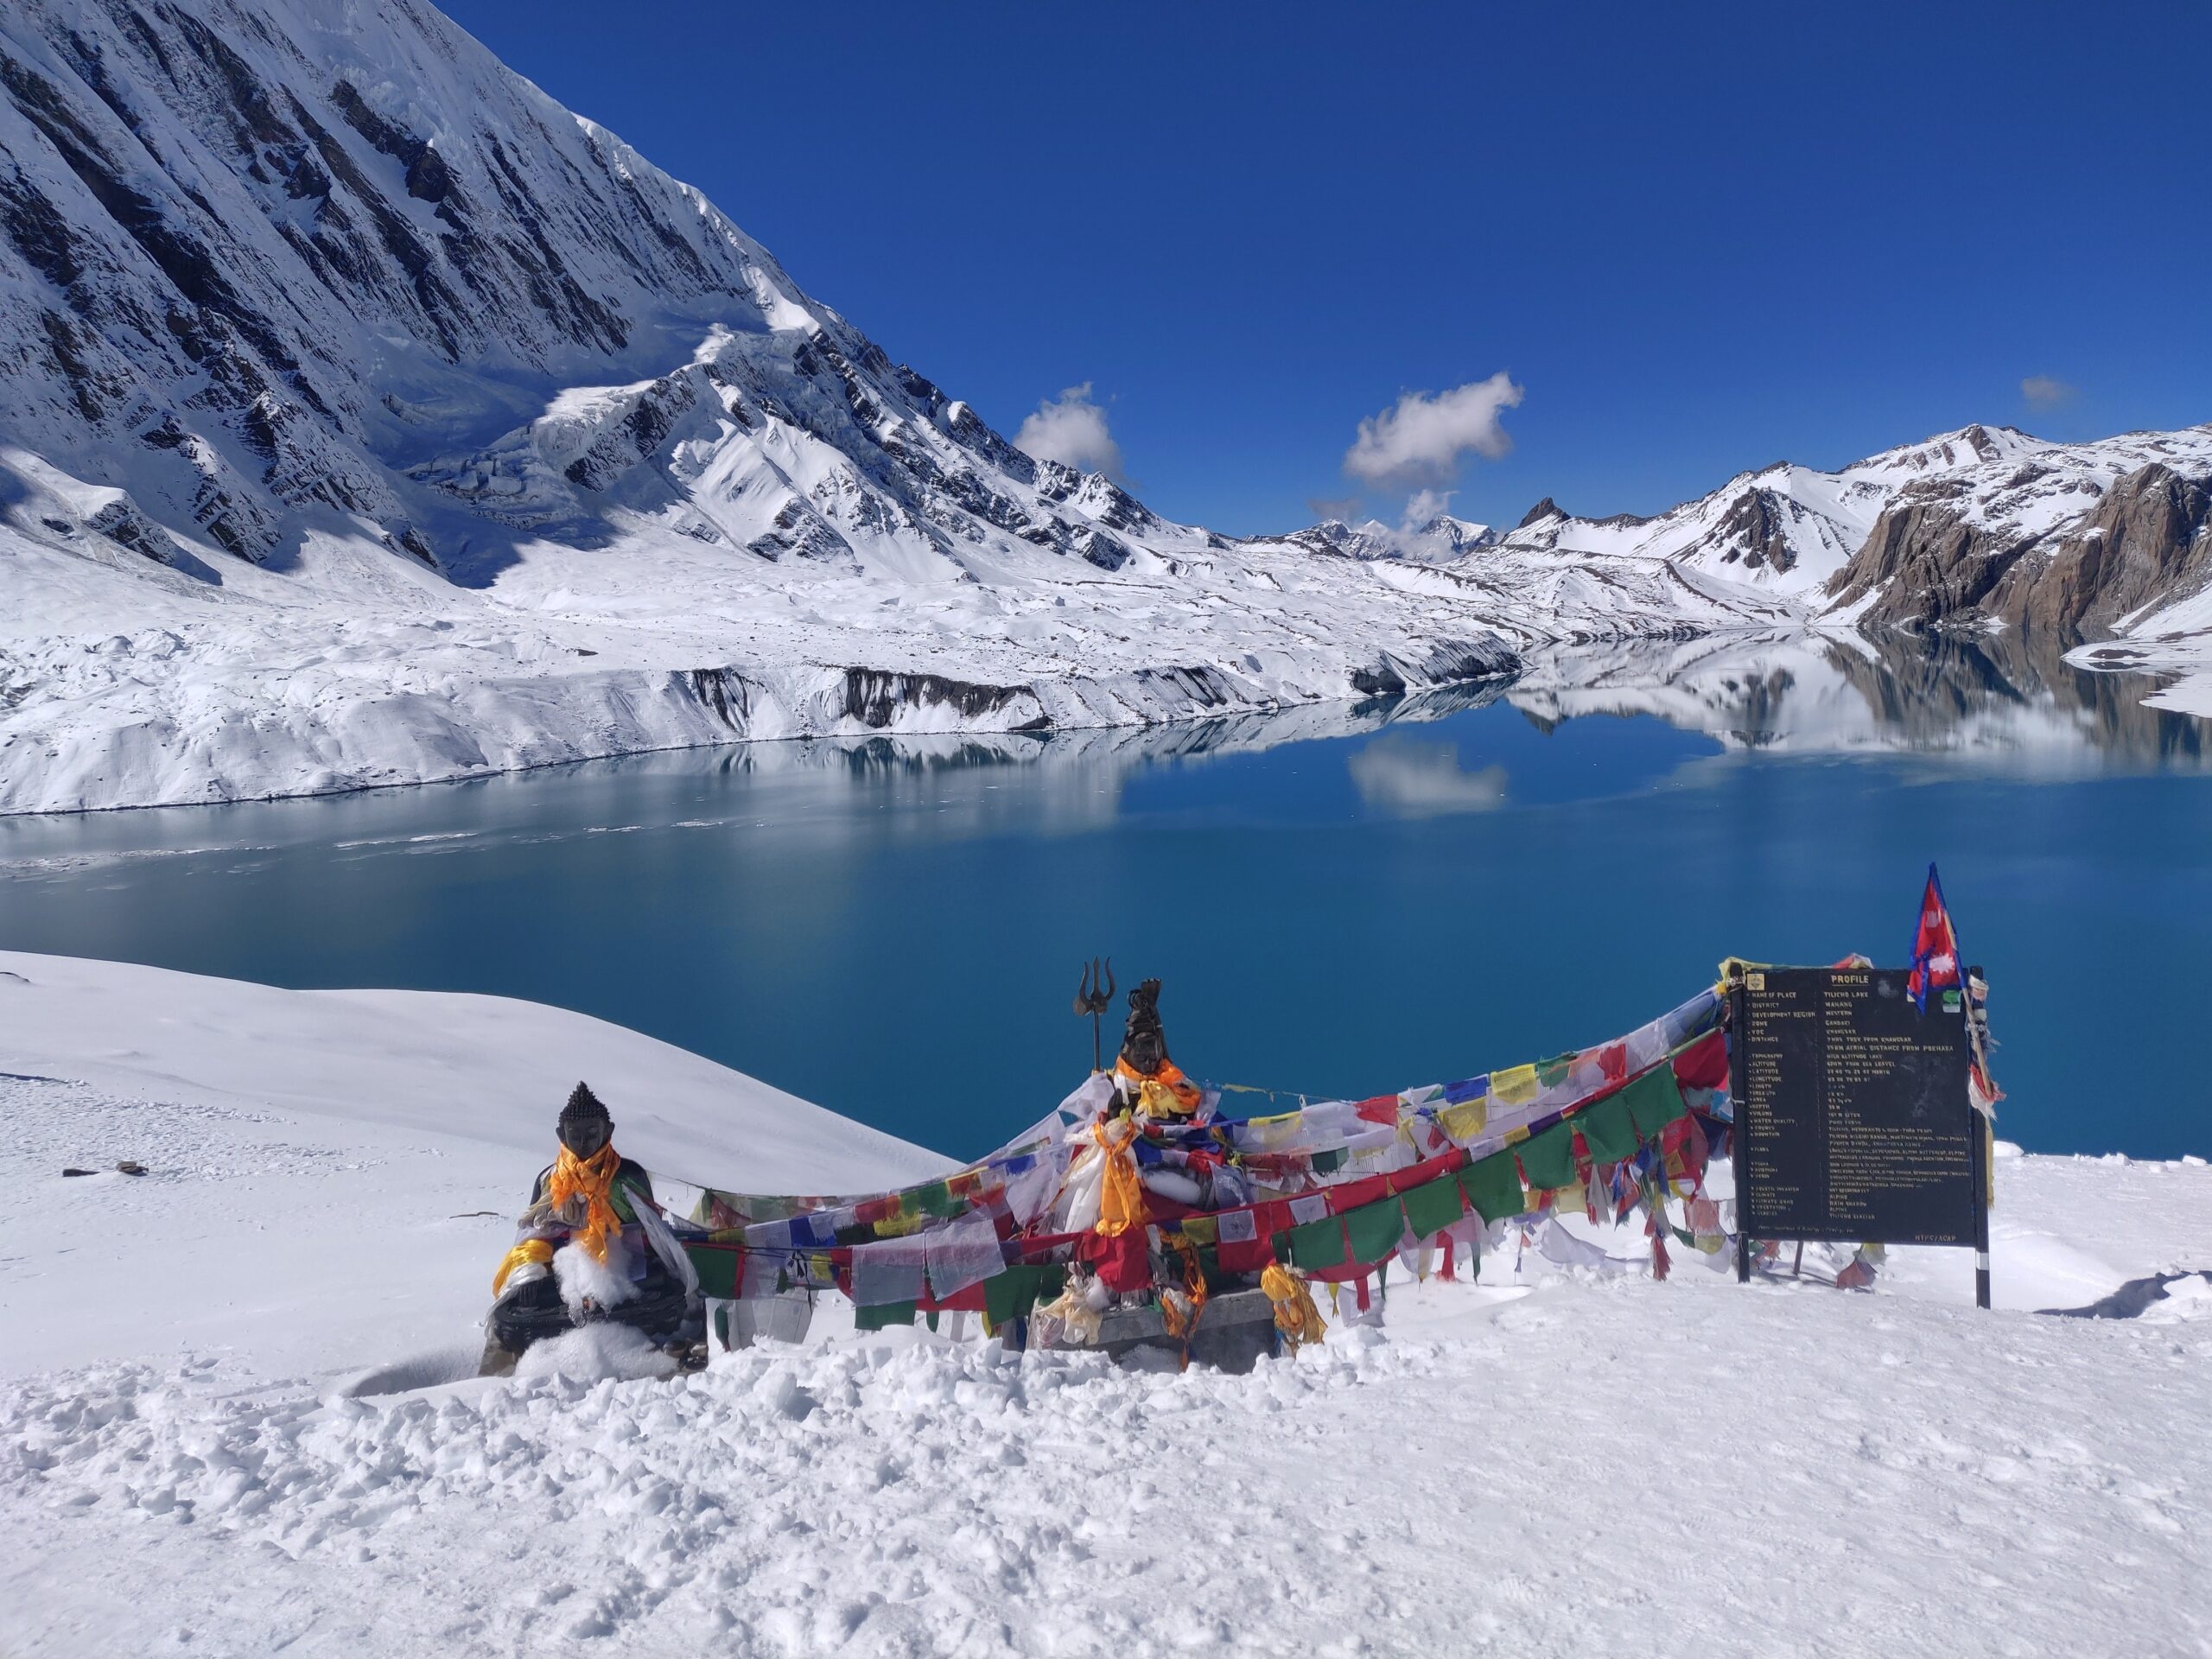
(1701, 239)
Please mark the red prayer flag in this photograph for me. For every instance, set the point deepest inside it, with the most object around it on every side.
(1351, 1195)
(1704, 1064)
(1378, 1108)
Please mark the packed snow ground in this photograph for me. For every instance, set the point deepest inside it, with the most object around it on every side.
(332, 1173)
(1547, 1462)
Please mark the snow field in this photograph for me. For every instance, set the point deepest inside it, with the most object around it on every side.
(194, 1461)
(1678, 1468)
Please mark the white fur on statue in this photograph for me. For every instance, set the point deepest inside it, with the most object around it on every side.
(583, 1275)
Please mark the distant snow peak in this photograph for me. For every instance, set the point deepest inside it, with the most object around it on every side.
(1420, 439)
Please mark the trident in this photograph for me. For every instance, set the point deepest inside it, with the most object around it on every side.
(1093, 996)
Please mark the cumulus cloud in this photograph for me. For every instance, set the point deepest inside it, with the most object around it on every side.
(2041, 391)
(1421, 439)
(1072, 430)
(1415, 779)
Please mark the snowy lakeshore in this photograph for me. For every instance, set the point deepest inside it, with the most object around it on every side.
(1544, 1461)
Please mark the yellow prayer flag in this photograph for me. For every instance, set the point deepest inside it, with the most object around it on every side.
(1465, 1122)
(1515, 1086)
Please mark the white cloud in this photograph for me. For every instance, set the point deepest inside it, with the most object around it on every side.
(2041, 391)
(1420, 440)
(1072, 429)
(1414, 778)
(1424, 505)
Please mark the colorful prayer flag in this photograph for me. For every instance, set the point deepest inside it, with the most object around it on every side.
(1547, 1160)
(1607, 1129)
(1493, 1186)
(1653, 1100)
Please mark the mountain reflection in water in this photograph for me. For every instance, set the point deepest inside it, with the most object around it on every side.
(1342, 899)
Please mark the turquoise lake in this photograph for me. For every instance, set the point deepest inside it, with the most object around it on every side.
(1340, 901)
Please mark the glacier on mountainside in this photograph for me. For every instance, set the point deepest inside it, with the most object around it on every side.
(367, 418)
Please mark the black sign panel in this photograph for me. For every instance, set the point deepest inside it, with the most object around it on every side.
(1852, 1118)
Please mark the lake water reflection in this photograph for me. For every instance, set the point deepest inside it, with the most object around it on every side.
(1340, 901)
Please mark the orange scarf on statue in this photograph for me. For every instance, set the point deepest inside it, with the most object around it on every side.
(1121, 1194)
(1166, 1093)
(592, 1180)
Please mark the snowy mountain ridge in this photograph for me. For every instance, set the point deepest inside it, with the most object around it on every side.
(367, 417)
(1792, 529)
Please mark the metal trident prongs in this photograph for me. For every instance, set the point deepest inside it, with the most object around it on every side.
(1093, 996)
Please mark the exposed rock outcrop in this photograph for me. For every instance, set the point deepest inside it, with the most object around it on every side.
(2149, 543)
(1938, 557)
(1926, 561)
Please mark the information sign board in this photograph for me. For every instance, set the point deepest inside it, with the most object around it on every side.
(1852, 1118)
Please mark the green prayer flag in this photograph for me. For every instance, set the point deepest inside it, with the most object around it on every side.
(1010, 1295)
(1606, 1128)
(1493, 1186)
(1374, 1229)
(1329, 1162)
(1552, 1072)
(1547, 1160)
(882, 1313)
(717, 1271)
(1653, 1100)
(1317, 1243)
(1433, 1206)
(1016, 1293)
(938, 1200)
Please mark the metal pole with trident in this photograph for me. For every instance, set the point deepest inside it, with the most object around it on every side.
(1093, 996)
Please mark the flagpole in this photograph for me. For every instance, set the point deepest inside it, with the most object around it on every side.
(1981, 1151)
(1734, 1027)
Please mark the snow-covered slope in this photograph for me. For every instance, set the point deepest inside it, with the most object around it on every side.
(351, 1133)
(1547, 1461)
(367, 418)
(2088, 539)
(1792, 531)
(486, 1069)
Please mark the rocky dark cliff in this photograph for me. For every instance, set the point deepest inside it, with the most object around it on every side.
(1934, 556)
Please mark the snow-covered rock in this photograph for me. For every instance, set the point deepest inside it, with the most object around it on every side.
(2096, 539)
(367, 418)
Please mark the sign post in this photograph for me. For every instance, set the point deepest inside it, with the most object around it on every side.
(1852, 1120)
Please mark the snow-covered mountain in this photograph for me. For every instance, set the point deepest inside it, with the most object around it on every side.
(367, 417)
(1440, 539)
(1792, 531)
